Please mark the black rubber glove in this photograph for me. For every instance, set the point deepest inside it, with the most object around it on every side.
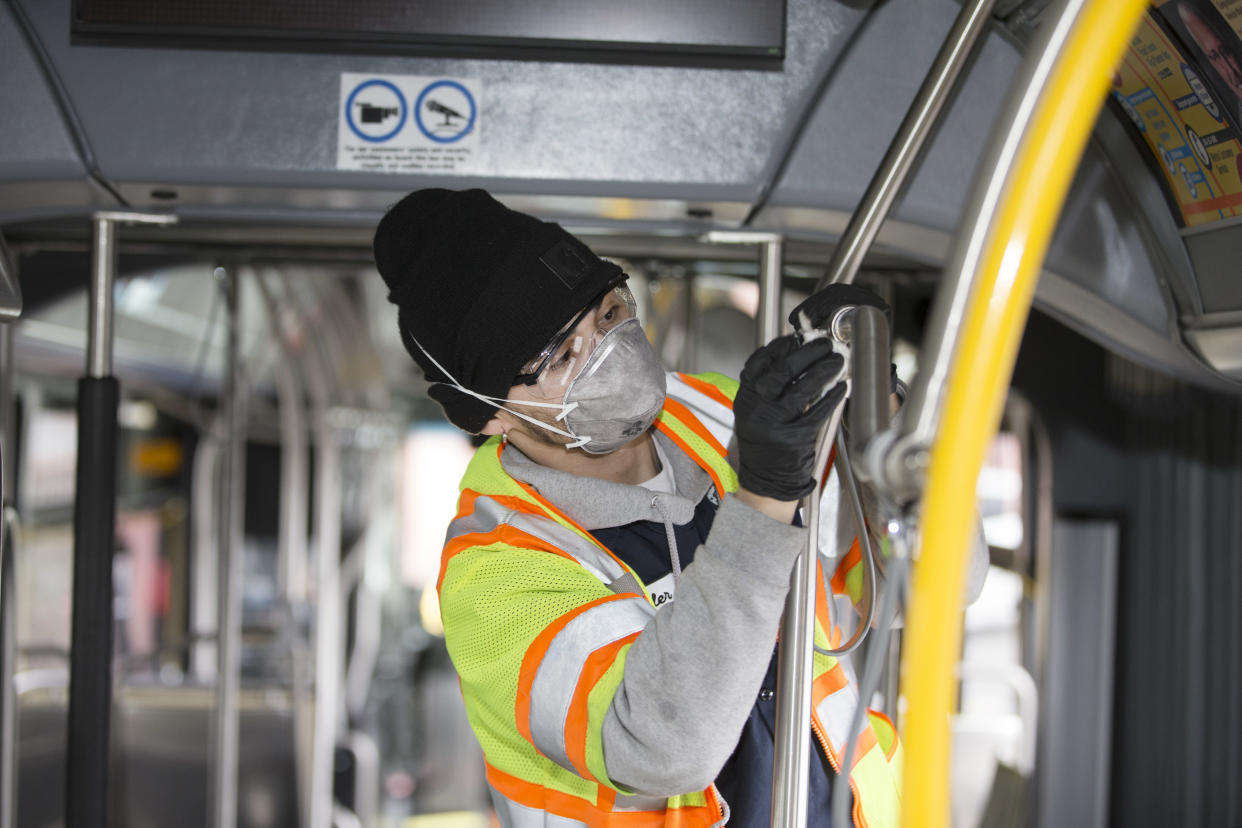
(778, 412)
(822, 305)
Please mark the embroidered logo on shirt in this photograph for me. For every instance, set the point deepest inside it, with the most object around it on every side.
(712, 497)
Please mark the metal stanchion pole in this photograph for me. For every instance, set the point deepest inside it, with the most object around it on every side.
(772, 252)
(94, 519)
(232, 494)
(771, 261)
(10, 308)
(8, 591)
(94, 522)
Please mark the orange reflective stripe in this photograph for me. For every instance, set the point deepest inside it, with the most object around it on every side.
(850, 560)
(821, 606)
(537, 796)
(681, 444)
(706, 388)
(828, 683)
(578, 718)
(504, 533)
(860, 821)
(600, 812)
(691, 422)
(828, 467)
(514, 537)
(534, 655)
(821, 600)
(866, 741)
(547, 504)
(465, 504)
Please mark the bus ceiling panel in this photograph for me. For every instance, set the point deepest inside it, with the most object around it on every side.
(1117, 250)
(1117, 271)
(868, 96)
(272, 119)
(40, 169)
(1104, 244)
(1113, 329)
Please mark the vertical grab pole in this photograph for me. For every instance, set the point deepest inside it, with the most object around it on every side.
(869, 399)
(94, 522)
(8, 591)
(94, 519)
(329, 636)
(228, 597)
(771, 260)
(10, 308)
(292, 552)
(792, 753)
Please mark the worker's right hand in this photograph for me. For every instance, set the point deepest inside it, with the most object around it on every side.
(822, 305)
(787, 391)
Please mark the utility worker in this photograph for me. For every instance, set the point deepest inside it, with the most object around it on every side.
(612, 585)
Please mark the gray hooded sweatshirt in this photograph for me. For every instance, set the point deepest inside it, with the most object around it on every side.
(692, 675)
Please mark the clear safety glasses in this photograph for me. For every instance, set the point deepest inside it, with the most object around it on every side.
(560, 361)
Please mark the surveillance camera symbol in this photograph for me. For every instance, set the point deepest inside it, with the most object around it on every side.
(372, 114)
(448, 112)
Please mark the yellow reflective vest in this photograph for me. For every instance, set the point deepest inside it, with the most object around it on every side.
(538, 619)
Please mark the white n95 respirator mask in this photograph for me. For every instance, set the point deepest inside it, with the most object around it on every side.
(614, 396)
(618, 393)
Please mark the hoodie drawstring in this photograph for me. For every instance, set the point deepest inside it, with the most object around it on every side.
(673, 556)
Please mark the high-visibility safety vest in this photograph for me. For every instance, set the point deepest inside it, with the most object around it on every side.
(539, 617)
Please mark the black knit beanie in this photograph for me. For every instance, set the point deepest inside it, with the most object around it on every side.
(482, 288)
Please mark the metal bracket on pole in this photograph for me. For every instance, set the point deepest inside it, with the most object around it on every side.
(103, 267)
(10, 287)
(771, 260)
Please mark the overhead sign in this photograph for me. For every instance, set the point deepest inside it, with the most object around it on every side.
(408, 124)
(1186, 115)
(752, 31)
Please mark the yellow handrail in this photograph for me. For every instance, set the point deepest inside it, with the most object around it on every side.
(1000, 301)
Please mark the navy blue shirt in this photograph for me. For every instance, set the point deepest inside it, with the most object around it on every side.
(745, 781)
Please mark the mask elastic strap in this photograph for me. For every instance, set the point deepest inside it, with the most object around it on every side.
(565, 409)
